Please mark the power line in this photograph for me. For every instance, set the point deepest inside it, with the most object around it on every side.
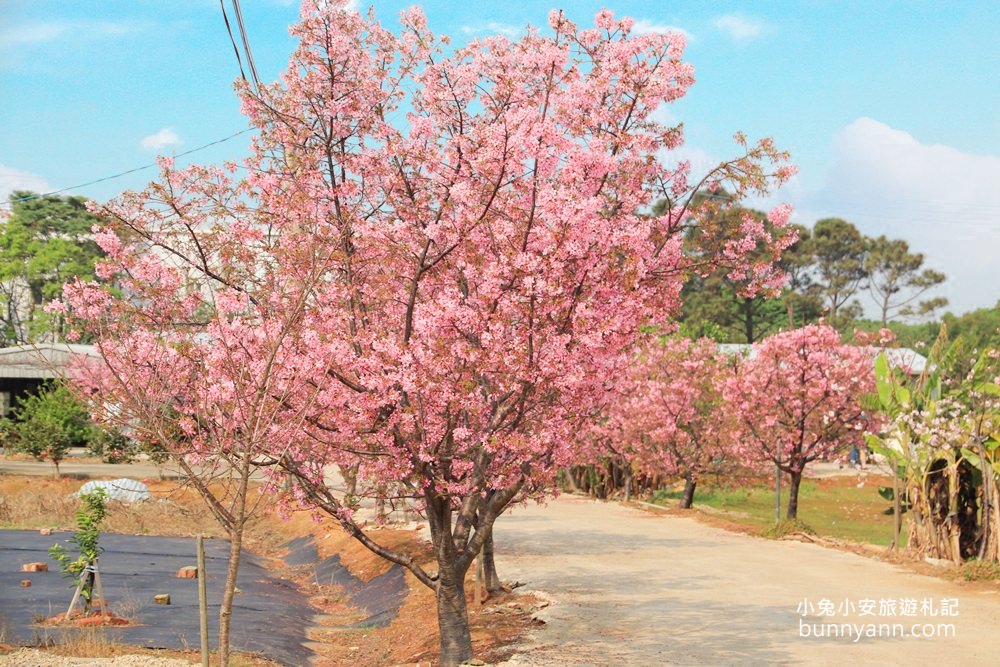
(247, 53)
(246, 44)
(253, 75)
(123, 173)
(229, 29)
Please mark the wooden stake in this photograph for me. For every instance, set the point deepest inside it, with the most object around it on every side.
(203, 600)
(98, 590)
(90, 574)
(76, 596)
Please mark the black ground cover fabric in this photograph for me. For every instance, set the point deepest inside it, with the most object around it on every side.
(270, 615)
(380, 598)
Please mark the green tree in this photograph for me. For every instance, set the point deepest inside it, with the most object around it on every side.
(47, 424)
(44, 243)
(714, 308)
(715, 304)
(896, 280)
(840, 251)
(980, 328)
(113, 446)
(803, 304)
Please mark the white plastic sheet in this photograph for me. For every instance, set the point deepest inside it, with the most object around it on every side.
(129, 490)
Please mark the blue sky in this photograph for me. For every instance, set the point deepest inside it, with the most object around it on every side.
(890, 109)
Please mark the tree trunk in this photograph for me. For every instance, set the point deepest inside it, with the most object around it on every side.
(455, 640)
(237, 524)
(689, 484)
(493, 583)
(453, 617)
(350, 476)
(88, 591)
(571, 481)
(793, 495)
(226, 608)
(954, 531)
(748, 328)
(897, 508)
(987, 474)
(453, 625)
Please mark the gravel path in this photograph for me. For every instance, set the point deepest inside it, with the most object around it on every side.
(639, 588)
(33, 658)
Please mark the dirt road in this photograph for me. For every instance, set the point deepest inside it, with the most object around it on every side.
(638, 588)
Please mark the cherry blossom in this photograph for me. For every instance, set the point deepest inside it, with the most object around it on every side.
(798, 399)
(425, 271)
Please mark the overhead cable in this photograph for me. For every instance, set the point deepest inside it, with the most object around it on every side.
(123, 173)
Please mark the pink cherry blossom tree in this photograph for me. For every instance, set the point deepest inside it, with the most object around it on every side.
(443, 250)
(198, 333)
(671, 409)
(798, 399)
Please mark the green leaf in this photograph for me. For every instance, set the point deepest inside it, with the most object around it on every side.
(879, 448)
(990, 388)
(903, 396)
(883, 381)
(971, 457)
(871, 402)
(934, 387)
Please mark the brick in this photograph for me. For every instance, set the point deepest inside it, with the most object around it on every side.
(163, 598)
(90, 621)
(35, 567)
(187, 572)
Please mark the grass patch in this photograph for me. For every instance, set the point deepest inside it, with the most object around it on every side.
(787, 527)
(835, 507)
(977, 570)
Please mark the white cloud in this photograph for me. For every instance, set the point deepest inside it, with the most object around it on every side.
(701, 161)
(44, 32)
(645, 26)
(20, 42)
(160, 140)
(789, 193)
(32, 33)
(508, 30)
(15, 179)
(663, 114)
(740, 27)
(942, 201)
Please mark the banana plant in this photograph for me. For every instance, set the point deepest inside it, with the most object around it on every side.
(938, 437)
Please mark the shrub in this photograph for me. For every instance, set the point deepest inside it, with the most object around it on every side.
(92, 511)
(47, 424)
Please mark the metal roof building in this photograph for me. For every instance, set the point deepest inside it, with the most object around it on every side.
(24, 368)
